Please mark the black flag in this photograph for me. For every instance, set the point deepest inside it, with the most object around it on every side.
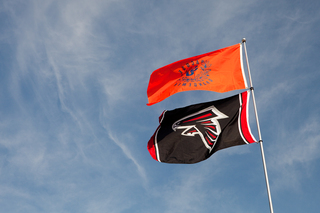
(192, 134)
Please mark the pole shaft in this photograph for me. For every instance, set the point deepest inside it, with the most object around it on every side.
(259, 132)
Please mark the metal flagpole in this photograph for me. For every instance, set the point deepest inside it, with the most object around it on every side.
(258, 126)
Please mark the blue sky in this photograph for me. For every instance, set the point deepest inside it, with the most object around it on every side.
(74, 122)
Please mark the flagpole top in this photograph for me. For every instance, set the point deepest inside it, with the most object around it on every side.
(244, 40)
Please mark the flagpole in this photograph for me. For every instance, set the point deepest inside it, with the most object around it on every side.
(259, 132)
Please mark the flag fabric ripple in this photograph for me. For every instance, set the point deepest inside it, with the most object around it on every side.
(218, 71)
(193, 133)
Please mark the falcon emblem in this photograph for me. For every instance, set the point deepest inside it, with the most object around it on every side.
(203, 123)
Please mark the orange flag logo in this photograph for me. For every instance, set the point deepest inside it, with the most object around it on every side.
(218, 71)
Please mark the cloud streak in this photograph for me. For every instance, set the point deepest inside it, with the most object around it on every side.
(74, 121)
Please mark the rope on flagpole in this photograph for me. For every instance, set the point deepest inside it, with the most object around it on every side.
(258, 126)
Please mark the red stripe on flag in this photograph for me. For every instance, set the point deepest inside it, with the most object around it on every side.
(212, 135)
(245, 128)
(151, 148)
(206, 122)
(209, 142)
(197, 118)
(211, 127)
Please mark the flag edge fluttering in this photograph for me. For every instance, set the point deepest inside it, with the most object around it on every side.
(178, 71)
(244, 128)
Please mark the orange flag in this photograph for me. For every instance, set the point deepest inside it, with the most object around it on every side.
(218, 71)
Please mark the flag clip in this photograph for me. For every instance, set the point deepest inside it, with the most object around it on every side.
(251, 88)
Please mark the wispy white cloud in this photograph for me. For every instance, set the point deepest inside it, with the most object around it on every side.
(74, 124)
(121, 144)
(201, 188)
(294, 154)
